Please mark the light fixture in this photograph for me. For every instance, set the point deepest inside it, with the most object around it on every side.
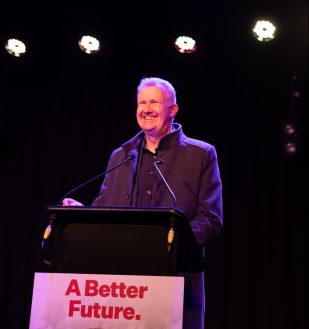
(15, 47)
(89, 45)
(290, 138)
(185, 44)
(264, 30)
(290, 148)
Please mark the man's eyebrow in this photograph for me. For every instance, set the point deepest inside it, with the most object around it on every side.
(152, 100)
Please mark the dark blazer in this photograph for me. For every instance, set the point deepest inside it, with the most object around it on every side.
(190, 168)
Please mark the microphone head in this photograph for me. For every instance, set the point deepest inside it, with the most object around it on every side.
(159, 161)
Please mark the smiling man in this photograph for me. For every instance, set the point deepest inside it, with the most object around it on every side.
(190, 168)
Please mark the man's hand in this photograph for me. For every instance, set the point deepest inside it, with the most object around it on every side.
(71, 202)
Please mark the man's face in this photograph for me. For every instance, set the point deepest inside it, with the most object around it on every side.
(155, 111)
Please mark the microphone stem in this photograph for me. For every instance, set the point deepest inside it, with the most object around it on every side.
(165, 182)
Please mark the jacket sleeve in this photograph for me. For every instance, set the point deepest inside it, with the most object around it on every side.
(209, 218)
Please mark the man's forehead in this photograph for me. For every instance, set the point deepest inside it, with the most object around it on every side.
(151, 91)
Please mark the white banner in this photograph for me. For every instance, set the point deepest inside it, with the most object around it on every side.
(94, 301)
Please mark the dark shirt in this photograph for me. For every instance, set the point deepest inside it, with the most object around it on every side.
(146, 178)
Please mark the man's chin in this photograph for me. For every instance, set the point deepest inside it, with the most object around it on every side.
(151, 132)
(148, 128)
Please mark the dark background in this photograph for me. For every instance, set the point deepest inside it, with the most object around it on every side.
(63, 112)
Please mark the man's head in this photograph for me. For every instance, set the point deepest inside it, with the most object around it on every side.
(160, 83)
(156, 106)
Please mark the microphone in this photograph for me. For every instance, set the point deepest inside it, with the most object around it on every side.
(132, 156)
(165, 182)
(171, 232)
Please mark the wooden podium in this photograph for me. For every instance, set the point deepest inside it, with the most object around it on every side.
(128, 241)
(114, 268)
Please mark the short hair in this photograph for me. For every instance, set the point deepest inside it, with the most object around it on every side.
(160, 83)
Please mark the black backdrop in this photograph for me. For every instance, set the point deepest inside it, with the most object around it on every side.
(63, 112)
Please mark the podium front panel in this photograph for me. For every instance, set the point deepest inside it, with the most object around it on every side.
(128, 241)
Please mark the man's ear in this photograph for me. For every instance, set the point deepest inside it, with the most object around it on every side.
(174, 110)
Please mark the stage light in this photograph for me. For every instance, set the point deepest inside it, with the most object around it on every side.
(185, 45)
(264, 30)
(290, 148)
(290, 138)
(289, 128)
(89, 45)
(15, 47)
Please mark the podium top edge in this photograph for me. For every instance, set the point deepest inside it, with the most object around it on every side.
(56, 209)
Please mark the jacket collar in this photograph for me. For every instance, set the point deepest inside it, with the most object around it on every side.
(166, 142)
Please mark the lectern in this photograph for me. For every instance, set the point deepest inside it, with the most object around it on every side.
(114, 267)
(120, 240)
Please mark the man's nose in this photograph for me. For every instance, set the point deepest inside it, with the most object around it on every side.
(147, 108)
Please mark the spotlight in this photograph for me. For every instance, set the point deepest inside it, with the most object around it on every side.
(289, 128)
(290, 138)
(15, 47)
(290, 148)
(185, 45)
(264, 30)
(89, 45)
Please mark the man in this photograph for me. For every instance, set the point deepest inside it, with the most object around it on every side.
(189, 166)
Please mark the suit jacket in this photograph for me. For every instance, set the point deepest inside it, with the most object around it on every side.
(190, 168)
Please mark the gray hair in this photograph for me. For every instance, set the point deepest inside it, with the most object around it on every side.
(160, 83)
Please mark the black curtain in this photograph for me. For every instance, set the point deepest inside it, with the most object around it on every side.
(63, 112)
